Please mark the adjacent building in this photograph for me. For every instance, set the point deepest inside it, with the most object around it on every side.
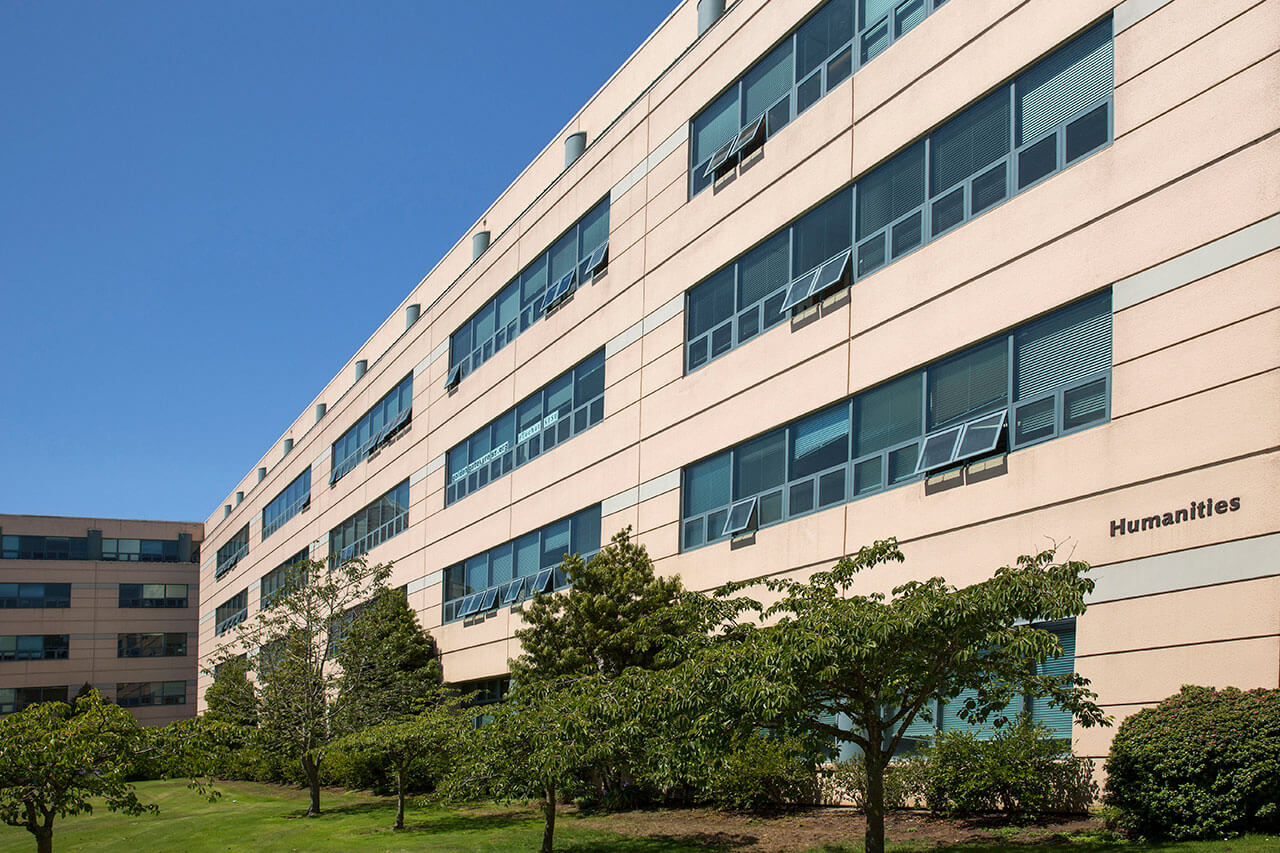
(104, 603)
(984, 275)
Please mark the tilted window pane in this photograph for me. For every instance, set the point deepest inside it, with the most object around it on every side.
(976, 138)
(1077, 75)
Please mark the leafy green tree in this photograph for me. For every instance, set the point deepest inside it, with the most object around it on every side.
(56, 758)
(389, 664)
(297, 676)
(616, 614)
(230, 699)
(420, 746)
(880, 661)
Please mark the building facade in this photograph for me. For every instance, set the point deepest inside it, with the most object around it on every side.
(107, 603)
(983, 275)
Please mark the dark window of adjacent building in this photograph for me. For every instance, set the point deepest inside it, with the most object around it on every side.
(386, 517)
(814, 58)
(232, 552)
(140, 550)
(137, 694)
(281, 579)
(34, 647)
(153, 595)
(231, 612)
(44, 547)
(376, 427)
(13, 699)
(569, 404)
(294, 499)
(1042, 121)
(151, 645)
(1043, 379)
(35, 595)
(567, 264)
(515, 570)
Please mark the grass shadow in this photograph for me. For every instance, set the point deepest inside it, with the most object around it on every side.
(714, 842)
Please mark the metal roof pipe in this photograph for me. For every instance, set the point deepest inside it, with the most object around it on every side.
(362, 366)
(262, 474)
(574, 145)
(479, 243)
(226, 510)
(709, 11)
(288, 446)
(321, 408)
(411, 314)
(239, 498)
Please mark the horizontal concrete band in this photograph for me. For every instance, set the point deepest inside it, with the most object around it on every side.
(436, 353)
(1227, 562)
(662, 152)
(1130, 12)
(1192, 266)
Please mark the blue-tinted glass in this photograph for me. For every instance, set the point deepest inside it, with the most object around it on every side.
(586, 531)
(891, 190)
(555, 543)
(706, 484)
(820, 441)
(764, 269)
(767, 81)
(822, 35)
(715, 125)
(823, 232)
(710, 303)
(760, 464)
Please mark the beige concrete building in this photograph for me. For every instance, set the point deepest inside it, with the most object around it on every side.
(980, 274)
(106, 602)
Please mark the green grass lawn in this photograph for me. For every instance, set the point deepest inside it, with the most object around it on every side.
(266, 819)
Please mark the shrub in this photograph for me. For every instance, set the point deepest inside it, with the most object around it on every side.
(1204, 763)
(904, 782)
(763, 775)
(1022, 770)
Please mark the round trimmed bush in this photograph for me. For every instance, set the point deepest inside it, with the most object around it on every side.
(1204, 763)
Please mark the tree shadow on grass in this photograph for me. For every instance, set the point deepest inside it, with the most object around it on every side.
(714, 842)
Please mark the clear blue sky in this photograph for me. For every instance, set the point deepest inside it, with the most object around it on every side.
(205, 208)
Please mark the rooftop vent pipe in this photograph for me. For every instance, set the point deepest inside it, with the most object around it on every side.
(361, 367)
(262, 474)
(226, 510)
(288, 446)
(411, 314)
(239, 498)
(574, 145)
(709, 11)
(479, 243)
(321, 408)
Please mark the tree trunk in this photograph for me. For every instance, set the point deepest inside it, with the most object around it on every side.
(312, 771)
(549, 827)
(399, 799)
(44, 839)
(874, 842)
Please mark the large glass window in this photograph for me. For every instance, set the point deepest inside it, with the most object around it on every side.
(386, 517)
(35, 595)
(232, 552)
(140, 550)
(231, 612)
(151, 645)
(140, 694)
(945, 414)
(294, 499)
(813, 59)
(14, 699)
(570, 262)
(516, 570)
(569, 404)
(44, 547)
(376, 427)
(34, 647)
(961, 169)
(153, 595)
(279, 580)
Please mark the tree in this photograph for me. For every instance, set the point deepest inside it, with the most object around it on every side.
(615, 614)
(295, 695)
(389, 664)
(54, 758)
(421, 745)
(880, 661)
(230, 699)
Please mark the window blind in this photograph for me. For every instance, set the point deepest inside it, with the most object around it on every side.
(1063, 348)
(1077, 75)
(967, 385)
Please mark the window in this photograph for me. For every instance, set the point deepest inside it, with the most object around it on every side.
(1043, 120)
(139, 694)
(14, 699)
(140, 550)
(295, 498)
(151, 645)
(486, 691)
(515, 570)
(578, 255)
(44, 547)
(34, 647)
(232, 552)
(386, 517)
(282, 578)
(812, 60)
(231, 612)
(387, 417)
(35, 595)
(153, 595)
(568, 405)
(1043, 379)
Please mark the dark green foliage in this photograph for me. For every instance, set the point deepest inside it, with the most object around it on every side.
(904, 782)
(1022, 770)
(764, 775)
(230, 698)
(389, 664)
(1204, 763)
(615, 615)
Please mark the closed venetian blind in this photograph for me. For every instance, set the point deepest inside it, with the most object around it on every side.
(1064, 347)
(1079, 74)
